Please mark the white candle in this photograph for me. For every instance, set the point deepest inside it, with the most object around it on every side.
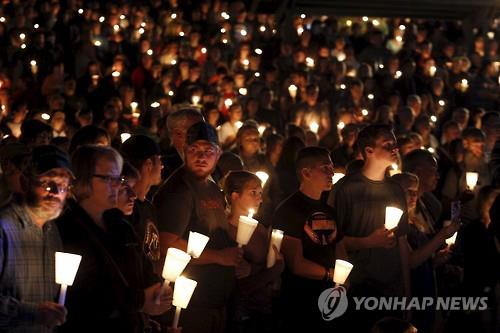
(66, 267)
(175, 262)
(394, 170)
(314, 127)
(471, 179)
(196, 244)
(125, 136)
(183, 291)
(34, 67)
(292, 90)
(336, 177)
(342, 271)
(276, 239)
(246, 227)
(392, 217)
(452, 239)
(432, 70)
(195, 99)
(263, 176)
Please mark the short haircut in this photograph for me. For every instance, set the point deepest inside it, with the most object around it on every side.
(308, 157)
(449, 124)
(130, 172)
(87, 135)
(370, 134)
(84, 161)
(474, 134)
(414, 159)
(181, 115)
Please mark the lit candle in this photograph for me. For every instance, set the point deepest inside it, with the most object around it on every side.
(155, 104)
(66, 267)
(262, 28)
(245, 63)
(464, 85)
(342, 270)
(276, 240)
(343, 86)
(341, 56)
(134, 106)
(431, 150)
(243, 32)
(441, 102)
(262, 129)
(336, 177)
(263, 176)
(195, 99)
(228, 102)
(292, 90)
(300, 30)
(258, 51)
(238, 124)
(34, 67)
(394, 169)
(314, 127)
(196, 244)
(310, 62)
(243, 91)
(340, 125)
(246, 227)
(364, 112)
(45, 116)
(432, 70)
(125, 136)
(392, 217)
(115, 74)
(370, 96)
(471, 180)
(183, 291)
(450, 241)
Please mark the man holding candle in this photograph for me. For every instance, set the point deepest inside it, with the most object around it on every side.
(379, 256)
(29, 241)
(311, 243)
(191, 201)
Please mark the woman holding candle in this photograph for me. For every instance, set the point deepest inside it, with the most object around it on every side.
(243, 191)
(112, 288)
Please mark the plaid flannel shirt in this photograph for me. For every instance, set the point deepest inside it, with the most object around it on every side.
(27, 269)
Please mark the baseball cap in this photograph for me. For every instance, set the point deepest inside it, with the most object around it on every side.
(47, 157)
(201, 131)
(139, 147)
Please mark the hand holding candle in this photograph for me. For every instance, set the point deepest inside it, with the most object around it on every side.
(66, 267)
(183, 291)
(276, 239)
(246, 227)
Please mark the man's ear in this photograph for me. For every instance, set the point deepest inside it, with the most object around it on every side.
(368, 150)
(147, 165)
(305, 173)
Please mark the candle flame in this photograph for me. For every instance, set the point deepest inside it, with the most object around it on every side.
(251, 211)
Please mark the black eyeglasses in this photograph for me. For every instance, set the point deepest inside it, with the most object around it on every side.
(111, 180)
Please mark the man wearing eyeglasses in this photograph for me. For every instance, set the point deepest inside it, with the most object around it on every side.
(29, 240)
(190, 201)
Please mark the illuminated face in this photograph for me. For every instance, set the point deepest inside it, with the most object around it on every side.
(46, 198)
(250, 197)
(126, 197)
(201, 158)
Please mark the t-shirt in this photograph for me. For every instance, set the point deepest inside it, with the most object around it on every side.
(143, 219)
(185, 204)
(360, 206)
(300, 216)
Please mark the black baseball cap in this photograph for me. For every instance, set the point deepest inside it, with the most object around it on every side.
(201, 131)
(139, 147)
(47, 157)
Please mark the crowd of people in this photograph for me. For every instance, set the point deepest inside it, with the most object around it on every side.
(126, 125)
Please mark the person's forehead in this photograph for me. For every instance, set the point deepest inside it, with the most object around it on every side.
(58, 174)
(202, 144)
(386, 137)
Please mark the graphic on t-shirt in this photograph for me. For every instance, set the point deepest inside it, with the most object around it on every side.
(321, 228)
(152, 241)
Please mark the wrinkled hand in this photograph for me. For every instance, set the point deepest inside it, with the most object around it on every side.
(150, 297)
(51, 314)
(230, 256)
(243, 269)
(382, 238)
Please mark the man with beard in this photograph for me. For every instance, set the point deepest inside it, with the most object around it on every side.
(379, 256)
(29, 240)
(191, 201)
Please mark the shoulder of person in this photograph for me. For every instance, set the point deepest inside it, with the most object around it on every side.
(176, 183)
